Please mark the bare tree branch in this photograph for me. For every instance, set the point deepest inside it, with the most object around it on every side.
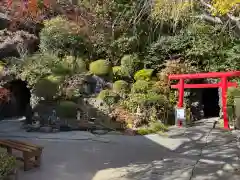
(209, 6)
(209, 18)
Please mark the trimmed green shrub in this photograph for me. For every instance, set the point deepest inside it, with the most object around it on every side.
(67, 109)
(154, 99)
(141, 86)
(143, 74)
(120, 86)
(100, 67)
(118, 73)
(116, 70)
(149, 99)
(7, 164)
(108, 96)
(48, 87)
(130, 64)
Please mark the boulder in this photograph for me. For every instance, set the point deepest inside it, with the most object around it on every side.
(15, 44)
(4, 21)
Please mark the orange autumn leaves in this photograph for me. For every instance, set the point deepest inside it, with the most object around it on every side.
(30, 5)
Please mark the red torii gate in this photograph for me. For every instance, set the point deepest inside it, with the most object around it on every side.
(224, 84)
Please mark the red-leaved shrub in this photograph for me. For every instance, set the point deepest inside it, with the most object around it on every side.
(4, 95)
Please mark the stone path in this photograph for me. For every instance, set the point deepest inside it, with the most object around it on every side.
(197, 153)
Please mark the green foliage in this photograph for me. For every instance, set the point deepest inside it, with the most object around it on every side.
(141, 86)
(108, 96)
(152, 128)
(67, 109)
(7, 164)
(2, 66)
(48, 87)
(60, 35)
(166, 47)
(232, 92)
(147, 100)
(117, 72)
(70, 65)
(228, 59)
(143, 74)
(130, 64)
(72, 93)
(38, 66)
(174, 12)
(120, 86)
(100, 67)
(124, 45)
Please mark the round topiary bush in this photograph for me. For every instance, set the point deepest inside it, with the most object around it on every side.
(48, 87)
(67, 109)
(120, 86)
(143, 74)
(141, 86)
(100, 67)
(116, 70)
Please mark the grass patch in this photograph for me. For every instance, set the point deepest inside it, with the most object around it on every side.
(152, 128)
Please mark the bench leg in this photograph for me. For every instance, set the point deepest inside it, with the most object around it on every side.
(9, 150)
(26, 162)
(38, 161)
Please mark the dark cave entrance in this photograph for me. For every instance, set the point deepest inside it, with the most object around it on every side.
(210, 101)
(19, 99)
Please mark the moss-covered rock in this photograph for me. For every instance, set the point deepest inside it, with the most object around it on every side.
(100, 67)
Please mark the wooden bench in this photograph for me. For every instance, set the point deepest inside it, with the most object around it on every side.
(31, 154)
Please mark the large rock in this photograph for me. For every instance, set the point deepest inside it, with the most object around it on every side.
(4, 21)
(15, 44)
